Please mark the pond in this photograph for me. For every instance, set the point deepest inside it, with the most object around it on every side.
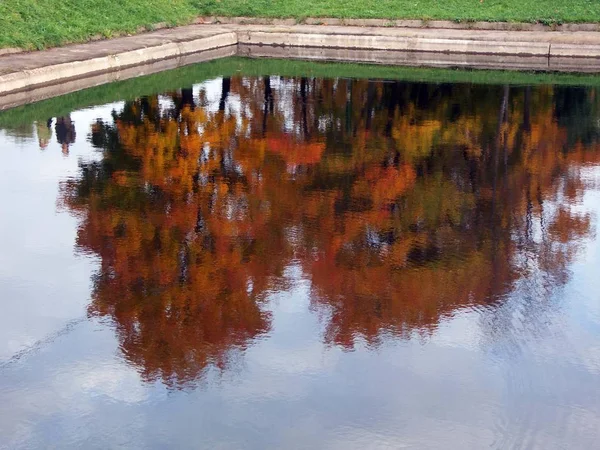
(255, 260)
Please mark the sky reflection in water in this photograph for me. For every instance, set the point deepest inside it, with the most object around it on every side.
(266, 262)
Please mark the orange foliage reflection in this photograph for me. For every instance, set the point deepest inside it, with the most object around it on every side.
(400, 202)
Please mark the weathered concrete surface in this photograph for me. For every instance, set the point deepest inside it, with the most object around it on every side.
(394, 40)
(27, 70)
(23, 97)
(528, 50)
(388, 38)
(399, 58)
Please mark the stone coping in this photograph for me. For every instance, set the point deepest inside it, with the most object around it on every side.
(573, 51)
(401, 23)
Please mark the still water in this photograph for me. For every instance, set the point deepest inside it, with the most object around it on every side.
(270, 262)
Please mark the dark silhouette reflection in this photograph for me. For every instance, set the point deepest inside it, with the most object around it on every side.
(65, 133)
(44, 133)
(400, 202)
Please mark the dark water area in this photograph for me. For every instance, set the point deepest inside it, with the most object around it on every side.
(289, 262)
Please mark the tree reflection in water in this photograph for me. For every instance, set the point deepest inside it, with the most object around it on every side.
(400, 202)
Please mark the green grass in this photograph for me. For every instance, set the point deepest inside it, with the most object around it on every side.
(189, 75)
(38, 24)
(42, 23)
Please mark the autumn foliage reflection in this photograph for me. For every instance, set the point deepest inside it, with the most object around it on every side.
(400, 202)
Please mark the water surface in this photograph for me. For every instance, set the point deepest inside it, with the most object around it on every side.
(298, 262)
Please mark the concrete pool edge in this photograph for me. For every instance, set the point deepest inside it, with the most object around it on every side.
(28, 77)
(44, 92)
